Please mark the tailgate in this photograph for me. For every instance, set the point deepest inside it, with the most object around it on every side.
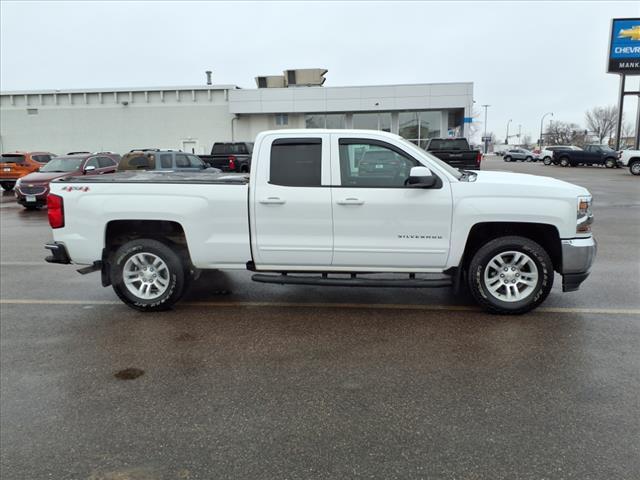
(457, 159)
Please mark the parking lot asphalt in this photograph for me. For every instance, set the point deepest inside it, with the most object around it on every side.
(252, 381)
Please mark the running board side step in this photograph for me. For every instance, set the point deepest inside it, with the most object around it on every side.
(353, 281)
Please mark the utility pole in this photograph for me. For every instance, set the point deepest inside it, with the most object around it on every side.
(541, 124)
(519, 133)
(507, 137)
(486, 142)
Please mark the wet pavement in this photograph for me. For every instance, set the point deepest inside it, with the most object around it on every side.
(252, 381)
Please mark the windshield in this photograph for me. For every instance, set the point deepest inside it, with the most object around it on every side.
(8, 158)
(445, 166)
(62, 164)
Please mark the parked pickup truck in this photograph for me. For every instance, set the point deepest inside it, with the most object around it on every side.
(631, 159)
(590, 155)
(333, 208)
(230, 156)
(455, 151)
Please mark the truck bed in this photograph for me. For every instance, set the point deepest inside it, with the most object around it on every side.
(133, 176)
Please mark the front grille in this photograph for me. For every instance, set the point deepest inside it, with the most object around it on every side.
(32, 190)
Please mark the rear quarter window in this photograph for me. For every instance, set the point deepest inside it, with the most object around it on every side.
(8, 158)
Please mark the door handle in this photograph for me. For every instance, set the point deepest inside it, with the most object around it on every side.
(350, 201)
(272, 201)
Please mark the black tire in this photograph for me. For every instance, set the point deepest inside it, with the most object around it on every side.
(634, 167)
(564, 162)
(507, 158)
(610, 163)
(528, 159)
(8, 186)
(176, 274)
(546, 161)
(486, 253)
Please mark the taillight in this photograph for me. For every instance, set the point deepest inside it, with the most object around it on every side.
(479, 158)
(232, 162)
(55, 206)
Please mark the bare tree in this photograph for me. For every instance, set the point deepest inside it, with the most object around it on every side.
(602, 121)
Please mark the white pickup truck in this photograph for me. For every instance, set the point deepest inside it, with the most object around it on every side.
(631, 159)
(328, 207)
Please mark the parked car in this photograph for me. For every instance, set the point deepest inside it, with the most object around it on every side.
(31, 190)
(18, 164)
(591, 155)
(230, 156)
(631, 159)
(307, 216)
(167, 160)
(455, 151)
(514, 154)
(547, 152)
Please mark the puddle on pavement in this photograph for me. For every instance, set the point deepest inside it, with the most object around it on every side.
(129, 374)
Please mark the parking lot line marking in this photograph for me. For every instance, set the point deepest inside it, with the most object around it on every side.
(365, 306)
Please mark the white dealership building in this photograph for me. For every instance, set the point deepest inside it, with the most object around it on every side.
(192, 118)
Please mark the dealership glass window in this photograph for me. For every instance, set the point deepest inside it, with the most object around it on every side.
(408, 126)
(282, 119)
(373, 165)
(296, 162)
(365, 121)
(314, 120)
(384, 121)
(335, 120)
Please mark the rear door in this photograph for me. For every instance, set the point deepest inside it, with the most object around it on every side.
(291, 203)
(379, 223)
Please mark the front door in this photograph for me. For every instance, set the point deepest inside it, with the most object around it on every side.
(379, 223)
(291, 203)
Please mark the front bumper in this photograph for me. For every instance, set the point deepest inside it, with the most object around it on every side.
(578, 255)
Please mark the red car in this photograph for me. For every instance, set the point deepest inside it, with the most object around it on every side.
(32, 189)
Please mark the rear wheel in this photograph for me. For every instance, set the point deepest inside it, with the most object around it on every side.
(7, 185)
(547, 161)
(564, 162)
(510, 275)
(634, 167)
(148, 275)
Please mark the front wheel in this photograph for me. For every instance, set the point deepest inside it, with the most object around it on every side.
(634, 167)
(529, 159)
(507, 158)
(8, 186)
(147, 275)
(610, 163)
(510, 275)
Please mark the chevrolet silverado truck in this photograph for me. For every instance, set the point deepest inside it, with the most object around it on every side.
(330, 208)
(631, 159)
(455, 151)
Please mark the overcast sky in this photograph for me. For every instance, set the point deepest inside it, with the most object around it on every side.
(524, 59)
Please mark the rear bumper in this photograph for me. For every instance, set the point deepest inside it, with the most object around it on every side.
(59, 253)
(578, 255)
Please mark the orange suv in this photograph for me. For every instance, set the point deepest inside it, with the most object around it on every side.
(18, 164)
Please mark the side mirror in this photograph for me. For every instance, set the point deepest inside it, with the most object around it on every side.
(89, 168)
(421, 177)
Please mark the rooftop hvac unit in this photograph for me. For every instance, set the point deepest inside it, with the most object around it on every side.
(305, 77)
(271, 81)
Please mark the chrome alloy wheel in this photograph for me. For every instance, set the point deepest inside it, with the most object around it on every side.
(146, 276)
(511, 276)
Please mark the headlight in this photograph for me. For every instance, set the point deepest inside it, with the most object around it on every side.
(18, 182)
(585, 215)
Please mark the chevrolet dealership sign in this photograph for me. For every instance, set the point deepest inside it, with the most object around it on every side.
(624, 46)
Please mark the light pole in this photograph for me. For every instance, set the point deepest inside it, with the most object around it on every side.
(541, 123)
(486, 143)
(519, 134)
(507, 137)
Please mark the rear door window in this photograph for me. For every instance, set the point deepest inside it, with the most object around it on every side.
(296, 162)
(166, 160)
(106, 162)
